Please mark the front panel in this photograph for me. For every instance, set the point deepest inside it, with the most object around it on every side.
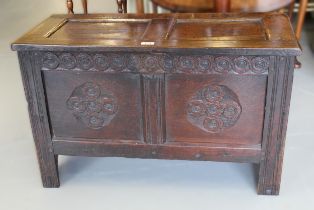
(94, 106)
(156, 98)
(220, 109)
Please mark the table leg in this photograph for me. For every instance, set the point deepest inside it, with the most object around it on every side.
(222, 5)
(301, 15)
(84, 4)
(140, 6)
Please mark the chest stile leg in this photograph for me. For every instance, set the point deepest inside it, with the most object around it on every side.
(34, 91)
(275, 125)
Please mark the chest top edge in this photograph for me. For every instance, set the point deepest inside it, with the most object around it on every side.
(257, 33)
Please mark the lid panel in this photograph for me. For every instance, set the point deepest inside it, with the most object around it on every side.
(198, 29)
(100, 29)
(259, 33)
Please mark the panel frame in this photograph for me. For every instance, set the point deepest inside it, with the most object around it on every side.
(228, 136)
(269, 155)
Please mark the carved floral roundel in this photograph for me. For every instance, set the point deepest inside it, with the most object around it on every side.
(214, 108)
(92, 105)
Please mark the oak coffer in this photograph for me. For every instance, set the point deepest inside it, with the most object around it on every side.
(166, 86)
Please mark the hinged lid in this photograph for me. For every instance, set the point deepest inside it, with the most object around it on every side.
(258, 33)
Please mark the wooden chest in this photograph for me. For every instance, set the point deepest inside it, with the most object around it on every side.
(169, 86)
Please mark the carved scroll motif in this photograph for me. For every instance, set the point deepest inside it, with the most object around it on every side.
(156, 63)
(92, 105)
(214, 108)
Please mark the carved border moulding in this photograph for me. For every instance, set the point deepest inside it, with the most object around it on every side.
(92, 105)
(156, 63)
(214, 108)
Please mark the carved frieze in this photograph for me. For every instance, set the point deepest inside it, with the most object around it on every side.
(156, 63)
(214, 108)
(92, 105)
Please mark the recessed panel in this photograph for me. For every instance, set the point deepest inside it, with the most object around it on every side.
(96, 106)
(101, 29)
(220, 109)
(217, 30)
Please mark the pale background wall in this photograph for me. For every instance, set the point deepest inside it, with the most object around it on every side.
(118, 183)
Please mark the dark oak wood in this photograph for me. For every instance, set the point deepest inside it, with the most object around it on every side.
(35, 96)
(126, 97)
(182, 89)
(260, 34)
(227, 153)
(276, 117)
(170, 86)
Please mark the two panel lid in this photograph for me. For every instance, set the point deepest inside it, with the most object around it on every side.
(258, 33)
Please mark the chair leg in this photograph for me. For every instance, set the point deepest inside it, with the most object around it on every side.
(84, 4)
(119, 3)
(301, 16)
(291, 8)
(155, 7)
(222, 5)
(70, 6)
(122, 6)
(125, 6)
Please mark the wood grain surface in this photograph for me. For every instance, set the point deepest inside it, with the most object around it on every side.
(171, 86)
